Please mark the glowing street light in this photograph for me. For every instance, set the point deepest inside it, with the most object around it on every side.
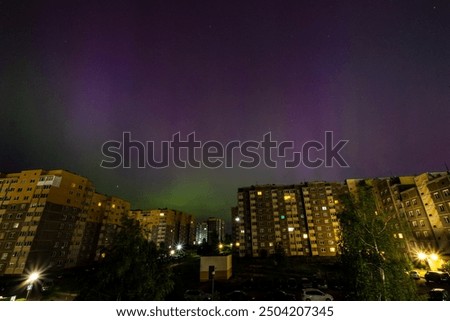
(434, 256)
(421, 256)
(33, 277)
(431, 259)
(179, 247)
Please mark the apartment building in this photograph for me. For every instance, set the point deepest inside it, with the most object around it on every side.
(46, 220)
(166, 227)
(300, 220)
(201, 233)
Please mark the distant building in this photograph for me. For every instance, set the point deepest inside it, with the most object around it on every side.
(201, 233)
(167, 228)
(112, 210)
(216, 229)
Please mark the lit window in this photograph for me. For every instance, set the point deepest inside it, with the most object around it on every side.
(259, 193)
(400, 235)
(161, 214)
(305, 236)
(113, 206)
(324, 208)
(290, 229)
(99, 204)
(332, 249)
(287, 197)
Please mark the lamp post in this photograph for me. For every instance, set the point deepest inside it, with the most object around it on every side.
(33, 277)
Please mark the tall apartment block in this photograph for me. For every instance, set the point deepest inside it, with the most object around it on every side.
(387, 195)
(166, 227)
(419, 207)
(300, 220)
(216, 228)
(201, 233)
(46, 220)
(106, 213)
(212, 228)
(323, 204)
(434, 202)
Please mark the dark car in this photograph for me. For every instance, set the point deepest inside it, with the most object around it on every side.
(414, 275)
(280, 295)
(437, 277)
(238, 296)
(47, 285)
(197, 295)
(438, 294)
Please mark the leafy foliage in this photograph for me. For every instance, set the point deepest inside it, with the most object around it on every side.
(131, 269)
(374, 264)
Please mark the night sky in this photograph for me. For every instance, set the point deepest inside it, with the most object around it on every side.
(75, 74)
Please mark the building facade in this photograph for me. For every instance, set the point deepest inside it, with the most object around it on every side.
(201, 233)
(46, 221)
(300, 220)
(167, 228)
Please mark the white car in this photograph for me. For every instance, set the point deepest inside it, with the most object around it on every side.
(311, 294)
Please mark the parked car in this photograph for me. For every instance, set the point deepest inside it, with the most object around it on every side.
(280, 295)
(414, 275)
(197, 295)
(238, 295)
(437, 277)
(291, 284)
(306, 283)
(47, 285)
(438, 294)
(311, 294)
(319, 283)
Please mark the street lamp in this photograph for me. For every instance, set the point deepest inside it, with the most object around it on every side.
(421, 256)
(434, 257)
(33, 277)
(432, 260)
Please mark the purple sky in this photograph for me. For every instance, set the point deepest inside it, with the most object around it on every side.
(376, 73)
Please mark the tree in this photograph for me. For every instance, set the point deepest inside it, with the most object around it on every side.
(131, 269)
(375, 268)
